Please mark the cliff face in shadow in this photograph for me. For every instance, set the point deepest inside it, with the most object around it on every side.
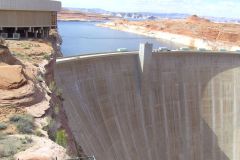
(182, 106)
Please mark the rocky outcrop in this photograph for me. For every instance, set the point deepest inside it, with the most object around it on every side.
(11, 71)
(17, 87)
(26, 78)
(229, 37)
(43, 149)
(6, 57)
(11, 77)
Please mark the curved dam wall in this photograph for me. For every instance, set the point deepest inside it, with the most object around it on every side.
(153, 106)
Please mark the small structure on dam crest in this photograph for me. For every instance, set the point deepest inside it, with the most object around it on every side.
(27, 18)
(153, 106)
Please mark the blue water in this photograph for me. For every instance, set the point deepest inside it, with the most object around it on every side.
(84, 38)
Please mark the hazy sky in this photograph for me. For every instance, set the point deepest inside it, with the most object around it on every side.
(219, 8)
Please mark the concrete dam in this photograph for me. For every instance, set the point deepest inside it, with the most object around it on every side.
(153, 105)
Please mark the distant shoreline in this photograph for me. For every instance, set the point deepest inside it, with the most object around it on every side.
(79, 20)
(186, 40)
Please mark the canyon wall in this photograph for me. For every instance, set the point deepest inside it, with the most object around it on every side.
(153, 106)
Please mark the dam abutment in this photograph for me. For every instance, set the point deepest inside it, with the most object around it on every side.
(153, 105)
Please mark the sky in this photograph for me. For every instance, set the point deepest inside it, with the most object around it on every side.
(216, 8)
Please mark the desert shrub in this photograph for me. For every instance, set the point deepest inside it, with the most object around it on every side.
(37, 45)
(59, 92)
(39, 133)
(2, 136)
(54, 89)
(15, 118)
(39, 78)
(52, 86)
(8, 150)
(10, 145)
(56, 109)
(22, 56)
(49, 119)
(24, 123)
(3, 126)
(25, 126)
(47, 57)
(61, 138)
(51, 128)
(23, 141)
(26, 140)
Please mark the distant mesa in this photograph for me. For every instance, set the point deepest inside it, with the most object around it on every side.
(152, 18)
(195, 18)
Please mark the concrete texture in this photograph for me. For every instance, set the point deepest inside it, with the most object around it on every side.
(179, 106)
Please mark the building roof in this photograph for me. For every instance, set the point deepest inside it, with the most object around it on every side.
(30, 5)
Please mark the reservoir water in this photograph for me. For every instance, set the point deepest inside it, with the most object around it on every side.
(85, 38)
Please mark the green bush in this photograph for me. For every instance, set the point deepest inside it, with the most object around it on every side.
(39, 133)
(26, 140)
(56, 109)
(25, 126)
(8, 150)
(52, 86)
(39, 78)
(61, 138)
(47, 57)
(10, 145)
(52, 129)
(29, 139)
(15, 118)
(59, 92)
(2, 136)
(24, 123)
(3, 126)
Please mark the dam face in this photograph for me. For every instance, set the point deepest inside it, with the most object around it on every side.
(154, 106)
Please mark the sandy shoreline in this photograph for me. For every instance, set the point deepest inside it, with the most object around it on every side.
(175, 38)
(78, 20)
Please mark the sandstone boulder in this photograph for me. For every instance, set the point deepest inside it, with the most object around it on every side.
(6, 57)
(11, 77)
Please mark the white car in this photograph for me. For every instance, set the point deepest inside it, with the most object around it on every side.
(222, 50)
(202, 49)
(122, 50)
(163, 49)
(184, 49)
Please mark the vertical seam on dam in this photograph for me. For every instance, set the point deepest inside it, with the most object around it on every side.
(165, 106)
